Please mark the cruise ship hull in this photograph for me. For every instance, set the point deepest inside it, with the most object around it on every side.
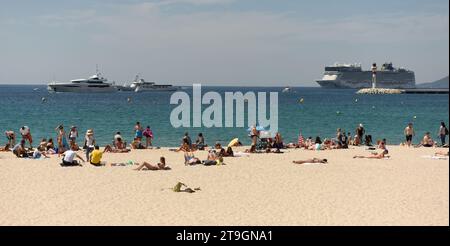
(81, 88)
(363, 79)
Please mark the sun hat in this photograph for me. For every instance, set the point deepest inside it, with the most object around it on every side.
(90, 132)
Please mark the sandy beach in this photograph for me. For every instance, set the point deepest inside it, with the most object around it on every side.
(263, 189)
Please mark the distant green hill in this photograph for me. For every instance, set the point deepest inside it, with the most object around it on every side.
(442, 83)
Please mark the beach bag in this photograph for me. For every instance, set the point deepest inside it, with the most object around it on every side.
(446, 131)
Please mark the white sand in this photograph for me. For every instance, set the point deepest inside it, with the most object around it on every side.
(263, 189)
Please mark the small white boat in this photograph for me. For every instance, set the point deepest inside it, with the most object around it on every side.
(95, 83)
(286, 90)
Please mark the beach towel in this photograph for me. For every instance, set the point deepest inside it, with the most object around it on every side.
(435, 157)
(241, 154)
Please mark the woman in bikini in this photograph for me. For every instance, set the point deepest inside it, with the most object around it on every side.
(160, 166)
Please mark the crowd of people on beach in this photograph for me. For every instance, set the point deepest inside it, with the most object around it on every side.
(66, 145)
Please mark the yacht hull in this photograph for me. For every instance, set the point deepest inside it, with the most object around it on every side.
(81, 88)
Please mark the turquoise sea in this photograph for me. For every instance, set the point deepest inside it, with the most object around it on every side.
(384, 116)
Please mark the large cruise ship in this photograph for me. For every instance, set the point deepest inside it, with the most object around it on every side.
(352, 76)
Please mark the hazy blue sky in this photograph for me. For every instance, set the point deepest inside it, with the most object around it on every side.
(227, 42)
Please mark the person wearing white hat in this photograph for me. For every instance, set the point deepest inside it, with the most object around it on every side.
(89, 143)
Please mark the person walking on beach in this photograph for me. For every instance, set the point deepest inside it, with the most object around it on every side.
(409, 134)
(11, 136)
(89, 142)
(360, 131)
(26, 135)
(443, 132)
(148, 134)
(138, 131)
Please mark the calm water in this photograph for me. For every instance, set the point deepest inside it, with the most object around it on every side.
(384, 116)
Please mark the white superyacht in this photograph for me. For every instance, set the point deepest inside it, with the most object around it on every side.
(94, 84)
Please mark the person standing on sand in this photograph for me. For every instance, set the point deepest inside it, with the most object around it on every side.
(443, 132)
(26, 135)
(73, 134)
(148, 134)
(138, 131)
(254, 136)
(360, 131)
(409, 134)
(11, 136)
(61, 139)
(89, 142)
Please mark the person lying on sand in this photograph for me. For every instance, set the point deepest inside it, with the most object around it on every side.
(380, 155)
(211, 162)
(313, 160)
(160, 166)
(441, 153)
(190, 159)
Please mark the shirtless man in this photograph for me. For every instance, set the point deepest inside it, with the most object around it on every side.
(409, 134)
